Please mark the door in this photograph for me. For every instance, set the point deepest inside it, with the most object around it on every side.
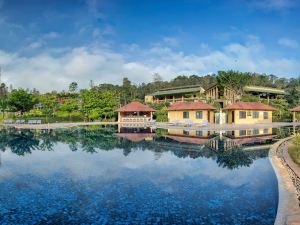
(232, 113)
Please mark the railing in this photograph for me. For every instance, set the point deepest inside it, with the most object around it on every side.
(176, 99)
(135, 119)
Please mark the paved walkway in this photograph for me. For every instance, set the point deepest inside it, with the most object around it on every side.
(210, 127)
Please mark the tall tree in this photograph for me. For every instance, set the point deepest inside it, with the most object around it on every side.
(73, 87)
(234, 80)
(3, 98)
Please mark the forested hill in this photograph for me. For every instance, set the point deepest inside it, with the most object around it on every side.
(129, 90)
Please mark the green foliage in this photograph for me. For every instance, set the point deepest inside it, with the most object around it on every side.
(99, 104)
(73, 87)
(161, 115)
(249, 98)
(282, 113)
(296, 140)
(21, 100)
(294, 149)
(234, 80)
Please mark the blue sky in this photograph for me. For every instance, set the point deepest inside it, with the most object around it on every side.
(48, 44)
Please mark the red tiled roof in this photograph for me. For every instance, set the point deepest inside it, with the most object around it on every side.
(296, 109)
(190, 106)
(135, 107)
(250, 105)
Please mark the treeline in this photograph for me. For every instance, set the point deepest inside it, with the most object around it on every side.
(98, 102)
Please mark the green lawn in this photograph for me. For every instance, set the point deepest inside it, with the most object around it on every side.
(294, 152)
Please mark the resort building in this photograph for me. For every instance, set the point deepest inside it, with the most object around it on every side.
(196, 112)
(249, 113)
(226, 96)
(264, 92)
(184, 93)
(135, 112)
(295, 111)
(223, 95)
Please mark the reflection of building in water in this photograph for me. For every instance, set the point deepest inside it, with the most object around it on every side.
(135, 134)
(190, 136)
(249, 132)
(134, 112)
(245, 139)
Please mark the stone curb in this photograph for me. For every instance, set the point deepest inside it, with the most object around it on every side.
(288, 211)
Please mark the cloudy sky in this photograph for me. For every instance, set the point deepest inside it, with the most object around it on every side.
(48, 44)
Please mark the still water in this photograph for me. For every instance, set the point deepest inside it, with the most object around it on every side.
(111, 175)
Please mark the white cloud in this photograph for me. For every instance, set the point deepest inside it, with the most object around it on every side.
(287, 42)
(55, 68)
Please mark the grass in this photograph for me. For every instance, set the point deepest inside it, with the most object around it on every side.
(294, 151)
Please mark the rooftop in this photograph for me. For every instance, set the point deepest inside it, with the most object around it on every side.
(178, 90)
(251, 88)
(190, 106)
(135, 107)
(250, 105)
(296, 109)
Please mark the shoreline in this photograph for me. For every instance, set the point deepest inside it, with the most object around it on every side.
(288, 211)
(164, 125)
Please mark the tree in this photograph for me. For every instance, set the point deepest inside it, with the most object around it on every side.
(73, 87)
(21, 100)
(234, 80)
(3, 98)
(69, 106)
(99, 104)
(49, 104)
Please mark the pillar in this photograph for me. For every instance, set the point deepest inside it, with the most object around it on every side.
(119, 117)
(294, 117)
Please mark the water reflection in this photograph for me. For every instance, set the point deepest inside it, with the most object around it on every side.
(231, 149)
(123, 175)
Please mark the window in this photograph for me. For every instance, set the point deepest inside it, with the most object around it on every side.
(199, 133)
(255, 131)
(266, 131)
(249, 113)
(199, 115)
(185, 132)
(249, 132)
(242, 114)
(255, 114)
(242, 132)
(186, 115)
(266, 115)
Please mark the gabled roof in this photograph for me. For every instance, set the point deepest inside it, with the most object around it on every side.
(178, 90)
(250, 105)
(135, 107)
(177, 106)
(296, 109)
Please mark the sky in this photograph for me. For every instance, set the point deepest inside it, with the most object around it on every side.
(49, 44)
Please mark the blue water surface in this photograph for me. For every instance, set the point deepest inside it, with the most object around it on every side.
(92, 176)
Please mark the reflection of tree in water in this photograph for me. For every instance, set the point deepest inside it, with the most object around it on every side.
(94, 138)
(233, 158)
(22, 142)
